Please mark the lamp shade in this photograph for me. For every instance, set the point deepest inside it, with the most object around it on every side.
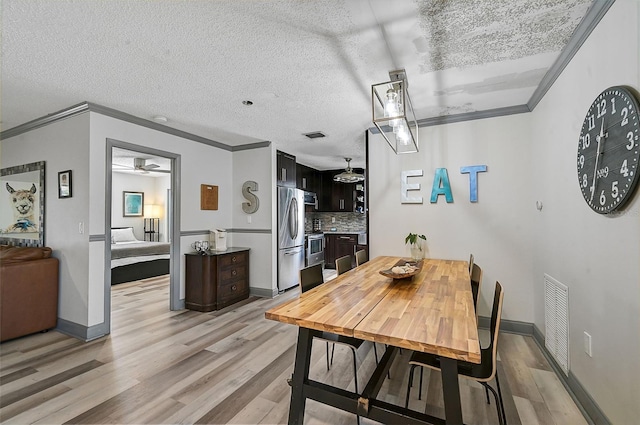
(152, 211)
(393, 113)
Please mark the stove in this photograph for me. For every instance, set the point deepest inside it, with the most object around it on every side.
(314, 248)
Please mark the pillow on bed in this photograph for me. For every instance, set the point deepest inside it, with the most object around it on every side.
(123, 235)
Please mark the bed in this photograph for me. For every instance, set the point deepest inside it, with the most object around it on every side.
(132, 259)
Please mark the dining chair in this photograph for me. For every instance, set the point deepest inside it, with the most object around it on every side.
(361, 257)
(310, 277)
(343, 264)
(481, 373)
(476, 282)
(470, 263)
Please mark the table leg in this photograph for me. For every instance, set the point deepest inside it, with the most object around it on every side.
(300, 376)
(451, 390)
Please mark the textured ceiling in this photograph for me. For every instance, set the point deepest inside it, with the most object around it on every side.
(306, 65)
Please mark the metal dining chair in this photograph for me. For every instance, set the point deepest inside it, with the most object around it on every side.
(481, 373)
(476, 282)
(361, 257)
(343, 264)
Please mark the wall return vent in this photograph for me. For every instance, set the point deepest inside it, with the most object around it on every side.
(556, 321)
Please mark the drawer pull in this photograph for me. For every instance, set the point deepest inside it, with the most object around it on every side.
(233, 259)
(233, 272)
(234, 287)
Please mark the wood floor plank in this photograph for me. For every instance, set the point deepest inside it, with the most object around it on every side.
(232, 366)
(244, 395)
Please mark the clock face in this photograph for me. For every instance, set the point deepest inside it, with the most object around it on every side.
(608, 152)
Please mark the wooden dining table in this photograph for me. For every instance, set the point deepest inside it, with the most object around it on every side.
(432, 312)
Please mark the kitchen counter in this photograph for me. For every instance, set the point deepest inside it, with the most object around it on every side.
(340, 232)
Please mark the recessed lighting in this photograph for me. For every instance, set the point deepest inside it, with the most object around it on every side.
(247, 102)
(160, 118)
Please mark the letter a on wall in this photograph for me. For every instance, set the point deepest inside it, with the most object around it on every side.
(441, 186)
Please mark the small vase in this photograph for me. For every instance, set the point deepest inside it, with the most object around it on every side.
(417, 250)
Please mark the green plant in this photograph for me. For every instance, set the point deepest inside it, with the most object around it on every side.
(412, 238)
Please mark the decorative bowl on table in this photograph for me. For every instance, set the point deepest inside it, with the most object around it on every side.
(403, 269)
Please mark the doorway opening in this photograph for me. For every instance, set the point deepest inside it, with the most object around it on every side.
(142, 230)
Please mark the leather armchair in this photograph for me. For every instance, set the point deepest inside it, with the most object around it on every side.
(28, 291)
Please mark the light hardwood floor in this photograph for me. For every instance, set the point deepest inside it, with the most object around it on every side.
(159, 366)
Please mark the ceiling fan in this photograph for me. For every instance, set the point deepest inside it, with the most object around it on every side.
(140, 165)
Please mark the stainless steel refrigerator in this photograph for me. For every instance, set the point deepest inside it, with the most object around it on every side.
(290, 236)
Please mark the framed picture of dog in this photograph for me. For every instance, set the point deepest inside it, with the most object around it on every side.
(133, 204)
(64, 184)
(22, 205)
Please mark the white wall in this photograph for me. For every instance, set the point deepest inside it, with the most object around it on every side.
(496, 229)
(596, 256)
(256, 165)
(63, 145)
(154, 189)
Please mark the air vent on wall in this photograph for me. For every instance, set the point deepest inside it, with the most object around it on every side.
(556, 321)
(314, 135)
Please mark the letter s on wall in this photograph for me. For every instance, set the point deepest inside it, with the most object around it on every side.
(254, 203)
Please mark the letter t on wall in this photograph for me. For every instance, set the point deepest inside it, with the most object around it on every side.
(473, 171)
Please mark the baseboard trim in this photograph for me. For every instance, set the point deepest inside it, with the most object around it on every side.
(262, 292)
(81, 332)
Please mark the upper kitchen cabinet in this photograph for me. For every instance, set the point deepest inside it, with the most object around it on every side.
(338, 197)
(286, 169)
(306, 178)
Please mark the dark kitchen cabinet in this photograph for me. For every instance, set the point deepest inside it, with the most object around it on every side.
(329, 251)
(346, 245)
(306, 178)
(334, 196)
(342, 197)
(338, 245)
(285, 169)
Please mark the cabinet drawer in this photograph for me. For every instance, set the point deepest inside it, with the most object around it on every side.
(238, 258)
(233, 290)
(232, 272)
(347, 238)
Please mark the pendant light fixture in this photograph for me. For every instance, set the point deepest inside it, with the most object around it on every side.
(393, 113)
(348, 175)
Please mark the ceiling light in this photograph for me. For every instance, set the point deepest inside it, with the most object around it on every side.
(348, 175)
(160, 118)
(393, 113)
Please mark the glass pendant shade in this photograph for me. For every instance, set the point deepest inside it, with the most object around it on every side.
(393, 113)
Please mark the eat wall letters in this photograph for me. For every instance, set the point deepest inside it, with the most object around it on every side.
(441, 184)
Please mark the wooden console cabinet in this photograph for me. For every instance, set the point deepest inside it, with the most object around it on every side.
(217, 279)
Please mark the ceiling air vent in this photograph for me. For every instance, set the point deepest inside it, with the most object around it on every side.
(314, 135)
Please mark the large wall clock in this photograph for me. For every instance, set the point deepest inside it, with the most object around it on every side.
(608, 153)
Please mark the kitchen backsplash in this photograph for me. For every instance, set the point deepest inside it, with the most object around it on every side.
(344, 221)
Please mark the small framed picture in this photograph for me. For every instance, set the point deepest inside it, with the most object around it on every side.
(133, 204)
(64, 184)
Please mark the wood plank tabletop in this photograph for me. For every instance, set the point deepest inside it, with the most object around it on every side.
(432, 312)
(338, 305)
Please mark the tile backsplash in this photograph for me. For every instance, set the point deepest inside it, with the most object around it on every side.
(344, 221)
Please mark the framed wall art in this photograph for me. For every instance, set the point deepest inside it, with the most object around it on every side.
(64, 184)
(22, 204)
(133, 204)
